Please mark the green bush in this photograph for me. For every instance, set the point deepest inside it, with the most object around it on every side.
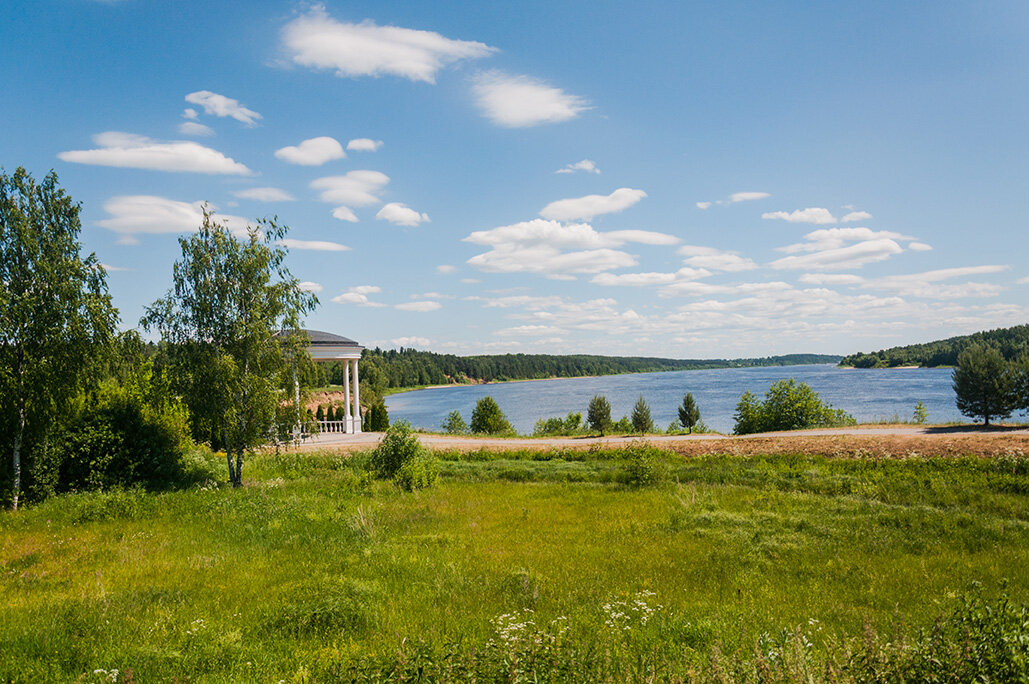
(487, 418)
(377, 418)
(454, 424)
(570, 425)
(397, 447)
(644, 466)
(788, 405)
(420, 472)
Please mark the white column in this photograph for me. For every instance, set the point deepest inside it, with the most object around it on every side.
(346, 399)
(357, 400)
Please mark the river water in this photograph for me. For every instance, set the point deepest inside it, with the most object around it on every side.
(867, 394)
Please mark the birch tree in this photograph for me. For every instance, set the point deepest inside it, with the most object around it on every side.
(55, 313)
(232, 320)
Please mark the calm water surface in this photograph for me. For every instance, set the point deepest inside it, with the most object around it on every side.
(867, 394)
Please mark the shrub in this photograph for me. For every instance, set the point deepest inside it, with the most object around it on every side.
(788, 405)
(420, 472)
(570, 425)
(397, 447)
(377, 418)
(487, 418)
(621, 426)
(921, 414)
(643, 466)
(454, 424)
(598, 414)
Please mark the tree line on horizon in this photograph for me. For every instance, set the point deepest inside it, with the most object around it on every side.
(1011, 343)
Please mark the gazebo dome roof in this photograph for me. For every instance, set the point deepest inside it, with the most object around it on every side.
(319, 337)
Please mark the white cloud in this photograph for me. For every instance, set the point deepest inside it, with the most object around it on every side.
(919, 246)
(747, 196)
(189, 113)
(841, 258)
(364, 145)
(115, 269)
(538, 246)
(831, 279)
(318, 41)
(715, 259)
(410, 341)
(809, 215)
(1022, 281)
(356, 188)
(530, 330)
(194, 128)
(359, 295)
(445, 268)
(834, 238)
(344, 214)
(704, 205)
(313, 245)
(856, 216)
(633, 279)
(587, 207)
(930, 285)
(401, 215)
(520, 101)
(312, 152)
(419, 306)
(126, 150)
(265, 195)
(308, 286)
(132, 214)
(222, 106)
(587, 165)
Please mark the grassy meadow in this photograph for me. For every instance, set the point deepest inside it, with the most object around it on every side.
(528, 566)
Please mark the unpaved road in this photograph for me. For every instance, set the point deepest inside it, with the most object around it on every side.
(885, 440)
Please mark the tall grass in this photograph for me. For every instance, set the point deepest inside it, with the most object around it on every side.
(528, 565)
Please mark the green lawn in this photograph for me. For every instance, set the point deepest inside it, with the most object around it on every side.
(313, 570)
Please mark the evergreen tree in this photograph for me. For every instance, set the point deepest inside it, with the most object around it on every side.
(377, 417)
(320, 414)
(454, 424)
(920, 414)
(598, 414)
(689, 414)
(641, 420)
(330, 414)
(984, 384)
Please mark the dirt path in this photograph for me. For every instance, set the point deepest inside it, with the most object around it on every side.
(871, 440)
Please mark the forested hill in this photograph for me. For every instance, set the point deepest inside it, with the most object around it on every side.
(1012, 343)
(409, 367)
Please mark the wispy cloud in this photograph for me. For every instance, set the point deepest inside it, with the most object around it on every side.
(364, 145)
(855, 216)
(587, 165)
(715, 259)
(313, 245)
(590, 206)
(265, 195)
(318, 41)
(735, 198)
(421, 306)
(127, 150)
(133, 214)
(195, 129)
(520, 101)
(222, 106)
(817, 215)
(356, 188)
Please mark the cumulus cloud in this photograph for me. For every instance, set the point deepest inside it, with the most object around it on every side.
(127, 150)
(312, 152)
(356, 188)
(587, 165)
(648, 279)
(715, 259)
(194, 128)
(831, 279)
(150, 214)
(445, 268)
(930, 284)
(344, 214)
(265, 195)
(585, 208)
(841, 258)
(530, 330)
(318, 41)
(308, 286)
(401, 215)
(520, 101)
(810, 215)
(364, 145)
(704, 205)
(423, 306)
(358, 295)
(539, 246)
(189, 113)
(222, 106)
(855, 216)
(313, 245)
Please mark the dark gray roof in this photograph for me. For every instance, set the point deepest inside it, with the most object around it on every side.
(320, 337)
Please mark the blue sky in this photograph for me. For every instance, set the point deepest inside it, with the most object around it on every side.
(673, 179)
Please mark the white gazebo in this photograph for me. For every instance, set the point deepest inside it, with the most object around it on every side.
(328, 348)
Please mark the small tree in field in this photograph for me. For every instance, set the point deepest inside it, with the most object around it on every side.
(231, 319)
(598, 414)
(689, 414)
(985, 384)
(55, 315)
(487, 418)
(641, 420)
(920, 414)
(454, 424)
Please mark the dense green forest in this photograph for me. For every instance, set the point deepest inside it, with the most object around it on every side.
(1011, 342)
(386, 369)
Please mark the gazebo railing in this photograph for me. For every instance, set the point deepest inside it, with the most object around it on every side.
(335, 425)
